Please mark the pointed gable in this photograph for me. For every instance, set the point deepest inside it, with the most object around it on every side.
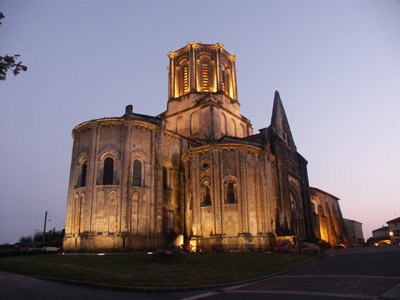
(279, 122)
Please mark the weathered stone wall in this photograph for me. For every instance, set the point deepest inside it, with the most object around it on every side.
(123, 214)
(206, 116)
(246, 222)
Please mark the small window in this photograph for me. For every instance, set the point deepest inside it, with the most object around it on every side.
(207, 197)
(137, 173)
(207, 194)
(108, 171)
(165, 178)
(230, 194)
(83, 174)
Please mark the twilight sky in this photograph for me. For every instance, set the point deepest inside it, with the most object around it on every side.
(335, 63)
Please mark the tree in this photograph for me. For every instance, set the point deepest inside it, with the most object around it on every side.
(53, 237)
(8, 62)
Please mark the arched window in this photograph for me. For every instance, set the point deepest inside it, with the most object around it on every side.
(243, 131)
(226, 80)
(223, 81)
(232, 128)
(165, 178)
(206, 194)
(184, 80)
(207, 197)
(230, 195)
(194, 123)
(108, 171)
(222, 123)
(83, 174)
(180, 126)
(206, 74)
(137, 173)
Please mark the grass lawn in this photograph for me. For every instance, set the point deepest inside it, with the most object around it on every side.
(141, 270)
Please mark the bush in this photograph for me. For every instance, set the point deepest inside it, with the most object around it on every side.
(186, 247)
(285, 246)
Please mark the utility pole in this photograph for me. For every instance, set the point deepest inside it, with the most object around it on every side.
(44, 227)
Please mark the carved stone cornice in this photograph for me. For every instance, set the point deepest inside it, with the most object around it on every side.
(172, 54)
(232, 57)
(171, 134)
(81, 128)
(145, 125)
(110, 122)
(219, 147)
(218, 46)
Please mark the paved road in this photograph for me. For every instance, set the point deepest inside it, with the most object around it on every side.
(368, 273)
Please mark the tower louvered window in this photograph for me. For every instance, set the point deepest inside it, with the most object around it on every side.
(185, 79)
(205, 77)
(223, 78)
(226, 82)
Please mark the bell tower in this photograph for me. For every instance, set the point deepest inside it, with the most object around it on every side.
(202, 68)
(202, 94)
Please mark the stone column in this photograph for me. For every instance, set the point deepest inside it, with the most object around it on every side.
(93, 175)
(68, 225)
(218, 67)
(192, 62)
(125, 172)
(218, 199)
(171, 72)
(233, 59)
(258, 190)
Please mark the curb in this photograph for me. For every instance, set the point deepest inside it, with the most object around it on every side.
(178, 288)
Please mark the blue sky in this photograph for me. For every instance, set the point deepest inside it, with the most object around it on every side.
(336, 64)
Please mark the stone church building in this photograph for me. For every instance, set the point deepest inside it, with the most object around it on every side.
(196, 170)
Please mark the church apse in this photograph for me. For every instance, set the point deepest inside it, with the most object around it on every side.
(196, 170)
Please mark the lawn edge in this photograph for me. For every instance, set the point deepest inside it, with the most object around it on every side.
(177, 288)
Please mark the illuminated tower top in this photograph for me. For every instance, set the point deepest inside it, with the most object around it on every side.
(201, 68)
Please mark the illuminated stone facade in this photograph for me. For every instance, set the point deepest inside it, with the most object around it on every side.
(195, 170)
(329, 224)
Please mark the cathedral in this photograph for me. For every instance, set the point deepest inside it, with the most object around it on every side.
(195, 171)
